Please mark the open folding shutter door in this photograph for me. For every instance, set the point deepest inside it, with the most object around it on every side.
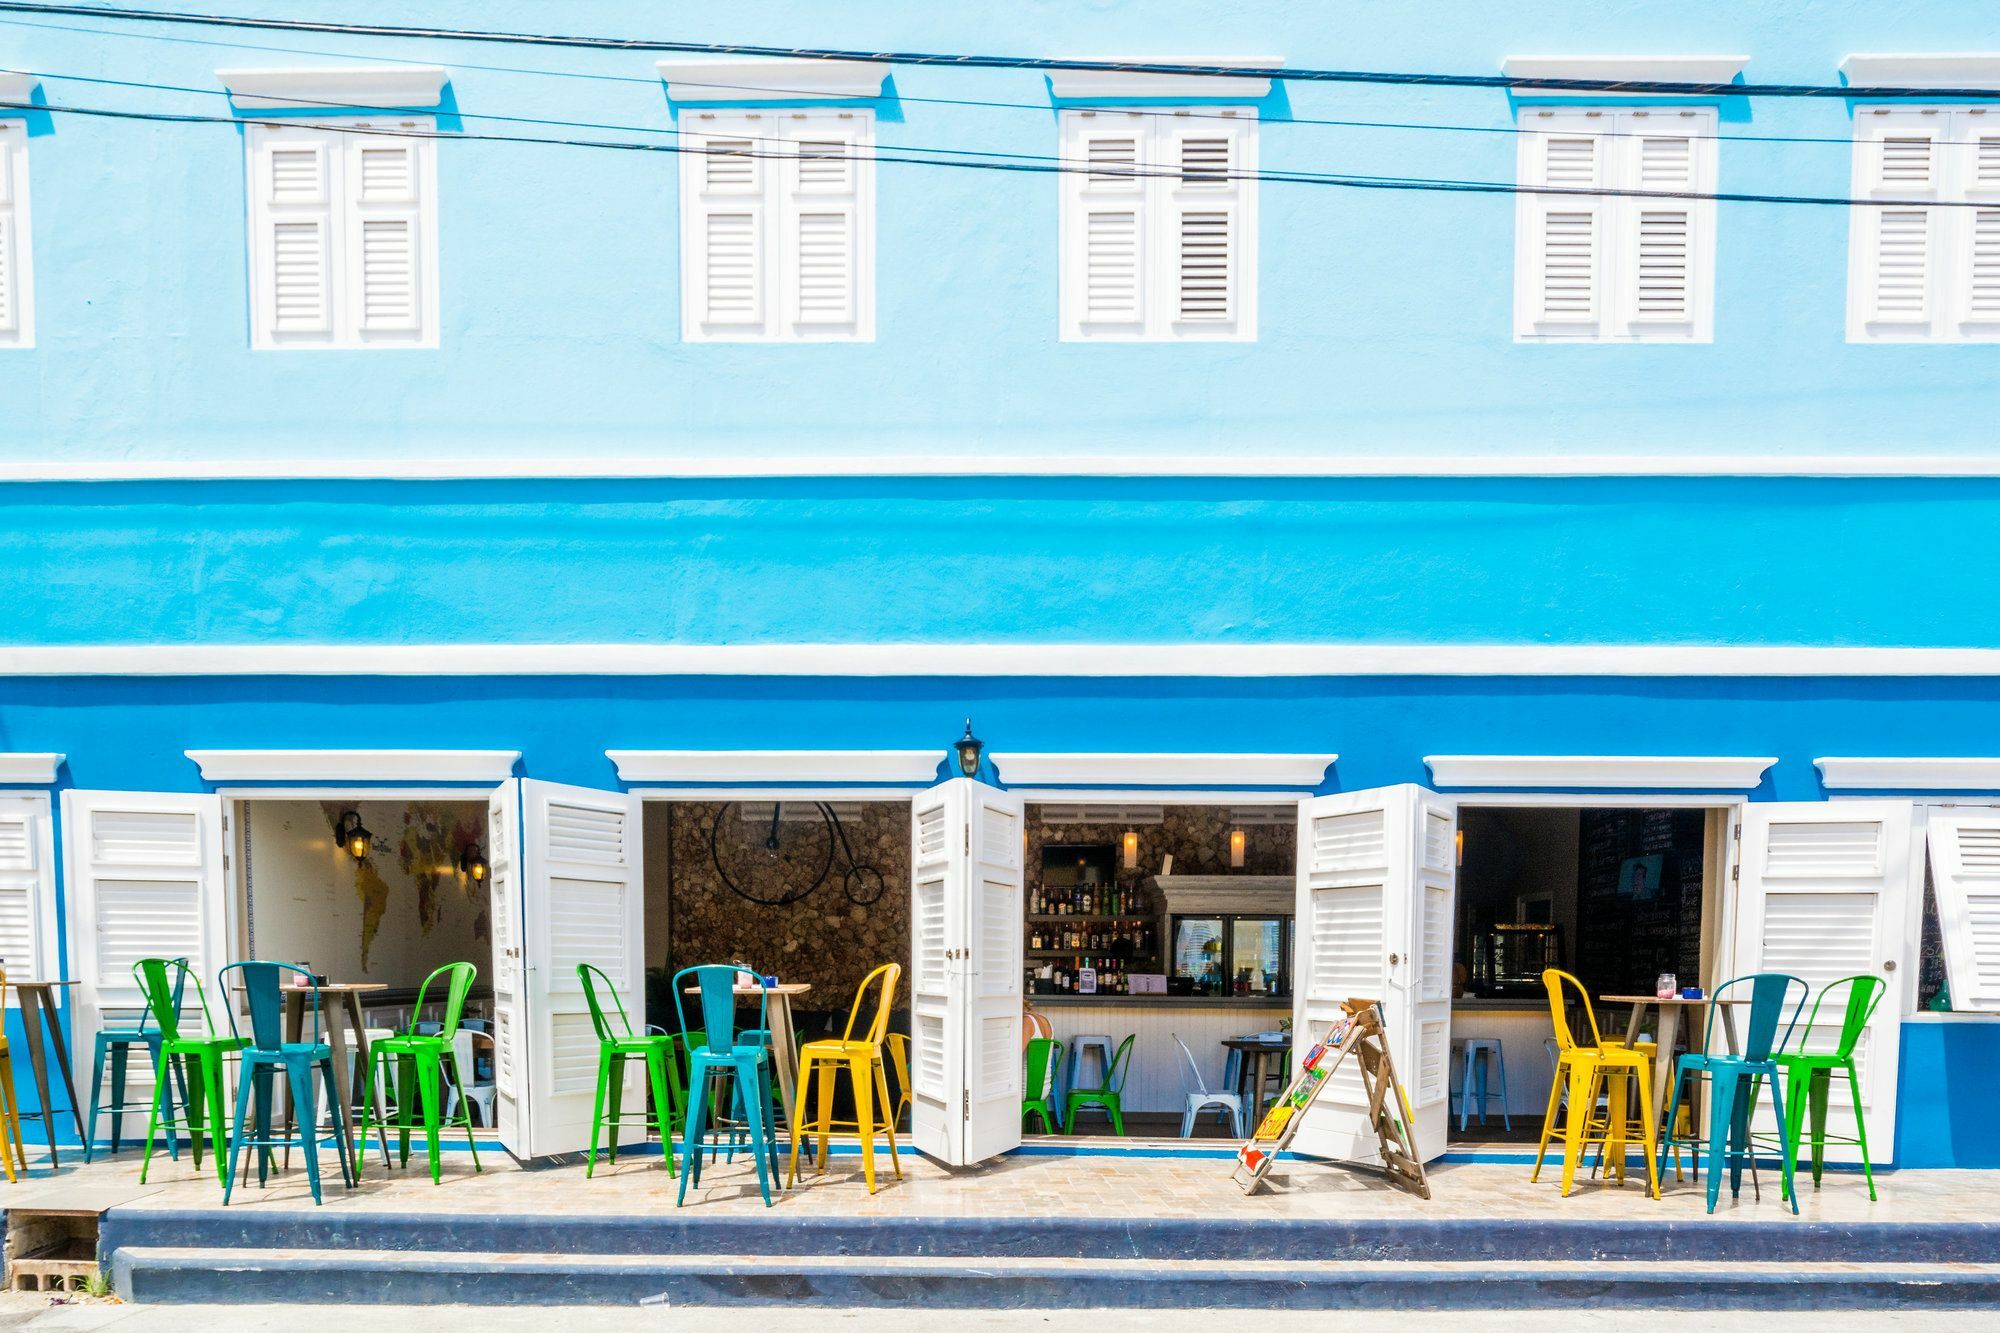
(1821, 896)
(965, 953)
(582, 903)
(1965, 869)
(144, 873)
(1376, 877)
(27, 889)
(510, 1074)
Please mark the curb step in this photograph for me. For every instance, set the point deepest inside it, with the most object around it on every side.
(169, 1275)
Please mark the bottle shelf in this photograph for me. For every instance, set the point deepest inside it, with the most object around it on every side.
(1079, 916)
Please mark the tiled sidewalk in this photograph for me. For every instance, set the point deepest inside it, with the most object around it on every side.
(1014, 1186)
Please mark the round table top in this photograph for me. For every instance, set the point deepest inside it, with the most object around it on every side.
(1668, 999)
(782, 988)
(331, 988)
(1257, 1043)
(39, 985)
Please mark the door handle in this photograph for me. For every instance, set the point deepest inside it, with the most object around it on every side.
(1889, 965)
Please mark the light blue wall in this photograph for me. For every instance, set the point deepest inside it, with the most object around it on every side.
(1522, 561)
(1385, 320)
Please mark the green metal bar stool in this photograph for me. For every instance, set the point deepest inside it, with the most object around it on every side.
(616, 1045)
(161, 981)
(1809, 1077)
(420, 1062)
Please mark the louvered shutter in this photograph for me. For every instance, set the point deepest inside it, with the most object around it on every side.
(726, 248)
(509, 966)
(1377, 877)
(582, 902)
(27, 889)
(143, 878)
(1204, 177)
(1897, 241)
(1965, 873)
(823, 217)
(385, 242)
(1979, 160)
(293, 178)
(1105, 235)
(1563, 235)
(10, 300)
(1821, 890)
(1657, 258)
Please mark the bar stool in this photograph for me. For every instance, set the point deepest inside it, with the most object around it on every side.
(1077, 1046)
(117, 1043)
(1477, 1061)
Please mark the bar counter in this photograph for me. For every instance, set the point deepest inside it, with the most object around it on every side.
(1158, 1077)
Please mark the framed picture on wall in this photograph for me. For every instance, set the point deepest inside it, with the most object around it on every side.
(1639, 878)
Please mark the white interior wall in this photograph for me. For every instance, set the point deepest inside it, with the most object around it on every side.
(308, 900)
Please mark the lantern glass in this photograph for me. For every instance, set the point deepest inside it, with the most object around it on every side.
(968, 748)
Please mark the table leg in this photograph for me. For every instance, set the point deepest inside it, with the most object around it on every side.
(1634, 1026)
(784, 1052)
(295, 1031)
(52, 1014)
(35, 1024)
(343, 1077)
(1663, 1063)
(1729, 1029)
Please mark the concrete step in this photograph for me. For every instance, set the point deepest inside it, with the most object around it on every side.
(209, 1275)
(692, 1233)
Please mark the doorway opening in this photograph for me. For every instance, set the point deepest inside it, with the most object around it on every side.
(1170, 924)
(377, 892)
(1624, 898)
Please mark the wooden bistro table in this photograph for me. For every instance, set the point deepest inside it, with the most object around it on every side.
(1667, 1030)
(38, 1011)
(1250, 1073)
(341, 1006)
(784, 1038)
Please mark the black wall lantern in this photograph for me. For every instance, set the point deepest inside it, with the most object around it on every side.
(347, 831)
(968, 749)
(473, 862)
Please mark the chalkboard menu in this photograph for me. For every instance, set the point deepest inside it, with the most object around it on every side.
(1639, 898)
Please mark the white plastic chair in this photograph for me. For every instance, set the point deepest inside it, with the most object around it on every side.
(1201, 1099)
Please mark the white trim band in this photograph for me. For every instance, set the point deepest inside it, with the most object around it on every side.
(17, 87)
(355, 765)
(1120, 661)
(1687, 773)
(1649, 69)
(770, 80)
(1089, 83)
(731, 766)
(1074, 769)
(774, 461)
(1961, 69)
(1947, 774)
(342, 88)
(29, 769)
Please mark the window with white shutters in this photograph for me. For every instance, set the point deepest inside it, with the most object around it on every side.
(17, 325)
(1918, 272)
(1159, 225)
(777, 226)
(1633, 265)
(343, 236)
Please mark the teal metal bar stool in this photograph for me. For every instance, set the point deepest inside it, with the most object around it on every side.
(744, 1058)
(266, 1055)
(1734, 1079)
(116, 1044)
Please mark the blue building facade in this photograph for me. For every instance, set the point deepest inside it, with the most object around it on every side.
(757, 418)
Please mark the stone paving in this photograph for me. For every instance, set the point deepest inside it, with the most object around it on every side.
(1014, 1186)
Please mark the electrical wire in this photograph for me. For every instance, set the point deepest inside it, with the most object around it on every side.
(1665, 87)
(1027, 164)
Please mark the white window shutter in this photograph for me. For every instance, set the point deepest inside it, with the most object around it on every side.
(1657, 242)
(1204, 179)
(1562, 240)
(293, 180)
(726, 244)
(825, 243)
(1105, 236)
(10, 305)
(1900, 160)
(1979, 251)
(27, 888)
(385, 242)
(1965, 873)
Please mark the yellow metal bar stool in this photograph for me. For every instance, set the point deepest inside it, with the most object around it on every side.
(862, 1059)
(1619, 1072)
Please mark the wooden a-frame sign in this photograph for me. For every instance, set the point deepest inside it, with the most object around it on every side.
(1358, 1033)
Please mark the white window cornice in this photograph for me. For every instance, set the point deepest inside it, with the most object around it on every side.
(1074, 84)
(1649, 69)
(29, 768)
(734, 766)
(17, 87)
(1946, 69)
(771, 79)
(1216, 771)
(1590, 772)
(355, 765)
(1848, 773)
(340, 88)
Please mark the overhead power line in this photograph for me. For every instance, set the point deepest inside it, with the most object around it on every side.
(960, 159)
(1665, 87)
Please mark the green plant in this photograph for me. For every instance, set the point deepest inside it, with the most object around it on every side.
(97, 1284)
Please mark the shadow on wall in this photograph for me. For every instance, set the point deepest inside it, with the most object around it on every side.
(1944, 1093)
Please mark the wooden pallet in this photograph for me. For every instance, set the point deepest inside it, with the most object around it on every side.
(1359, 1033)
